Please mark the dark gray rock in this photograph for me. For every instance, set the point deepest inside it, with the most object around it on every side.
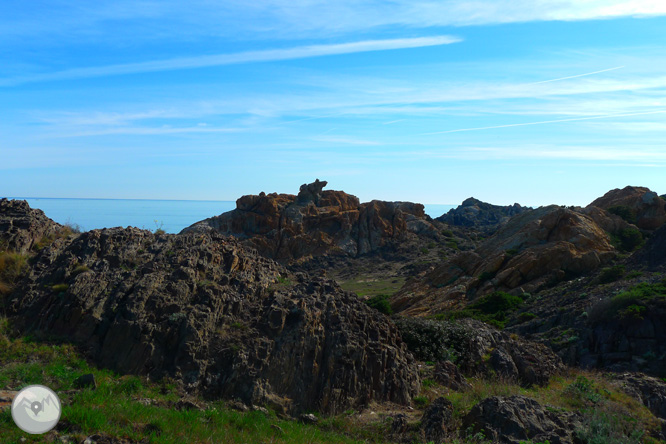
(86, 381)
(447, 374)
(474, 213)
(436, 420)
(650, 391)
(21, 227)
(216, 316)
(515, 419)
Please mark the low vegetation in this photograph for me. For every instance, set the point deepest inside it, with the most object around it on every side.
(629, 304)
(492, 309)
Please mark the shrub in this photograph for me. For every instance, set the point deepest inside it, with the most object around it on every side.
(628, 239)
(60, 288)
(431, 340)
(635, 296)
(12, 266)
(624, 212)
(527, 316)
(487, 275)
(611, 274)
(380, 303)
(496, 302)
(447, 233)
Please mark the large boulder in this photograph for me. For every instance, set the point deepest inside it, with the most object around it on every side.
(515, 419)
(316, 222)
(218, 317)
(639, 203)
(21, 227)
(534, 249)
(474, 213)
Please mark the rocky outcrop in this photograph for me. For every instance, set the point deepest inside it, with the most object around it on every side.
(315, 222)
(482, 215)
(448, 375)
(650, 391)
(216, 316)
(21, 226)
(515, 419)
(653, 254)
(640, 205)
(436, 421)
(534, 249)
(481, 350)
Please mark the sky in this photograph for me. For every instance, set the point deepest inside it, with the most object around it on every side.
(529, 101)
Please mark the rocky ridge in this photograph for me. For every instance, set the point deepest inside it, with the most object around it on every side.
(481, 215)
(223, 320)
(21, 227)
(534, 249)
(315, 222)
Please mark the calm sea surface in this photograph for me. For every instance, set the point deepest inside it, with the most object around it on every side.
(170, 215)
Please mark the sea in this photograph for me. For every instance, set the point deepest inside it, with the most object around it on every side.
(169, 215)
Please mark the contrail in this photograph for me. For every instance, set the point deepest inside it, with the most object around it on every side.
(543, 122)
(573, 77)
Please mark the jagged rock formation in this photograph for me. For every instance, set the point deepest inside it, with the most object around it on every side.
(482, 215)
(650, 391)
(215, 315)
(315, 222)
(481, 350)
(648, 209)
(534, 249)
(653, 255)
(21, 227)
(515, 419)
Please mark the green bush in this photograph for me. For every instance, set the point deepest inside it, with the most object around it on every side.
(496, 302)
(628, 240)
(380, 303)
(611, 274)
(618, 305)
(624, 212)
(431, 340)
(487, 275)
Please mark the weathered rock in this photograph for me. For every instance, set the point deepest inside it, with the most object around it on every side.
(474, 343)
(6, 398)
(308, 418)
(515, 419)
(650, 391)
(648, 208)
(21, 227)
(447, 374)
(288, 228)
(203, 309)
(86, 381)
(534, 249)
(436, 420)
(482, 215)
(653, 254)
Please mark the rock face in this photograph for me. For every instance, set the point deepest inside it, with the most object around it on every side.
(653, 254)
(436, 420)
(474, 213)
(207, 311)
(480, 350)
(315, 222)
(515, 419)
(21, 227)
(647, 207)
(534, 249)
(648, 390)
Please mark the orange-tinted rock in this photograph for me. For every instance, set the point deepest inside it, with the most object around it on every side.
(534, 248)
(647, 206)
(315, 222)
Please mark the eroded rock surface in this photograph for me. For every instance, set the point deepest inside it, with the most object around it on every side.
(534, 249)
(647, 207)
(217, 316)
(21, 226)
(315, 222)
(515, 419)
(474, 213)
(650, 391)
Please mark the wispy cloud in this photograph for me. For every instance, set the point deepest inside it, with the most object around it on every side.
(345, 141)
(543, 122)
(237, 58)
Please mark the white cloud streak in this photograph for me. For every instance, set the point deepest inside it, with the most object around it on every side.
(543, 122)
(268, 55)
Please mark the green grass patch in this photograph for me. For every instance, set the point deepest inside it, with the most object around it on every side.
(380, 303)
(369, 287)
(491, 309)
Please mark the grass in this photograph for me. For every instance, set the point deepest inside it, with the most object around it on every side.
(630, 303)
(491, 309)
(12, 266)
(380, 303)
(365, 287)
(114, 408)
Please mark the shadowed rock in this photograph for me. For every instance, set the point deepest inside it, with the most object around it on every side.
(316, 222)
(648, 209)
(481, 215)
(217, 316)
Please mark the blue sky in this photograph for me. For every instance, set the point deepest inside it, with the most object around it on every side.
(528, 101)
